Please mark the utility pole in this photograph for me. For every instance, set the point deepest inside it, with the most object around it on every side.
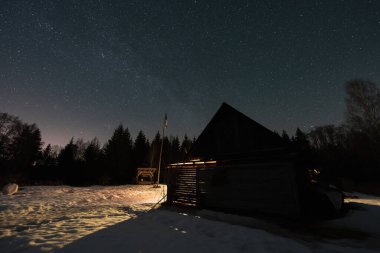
(162, 145)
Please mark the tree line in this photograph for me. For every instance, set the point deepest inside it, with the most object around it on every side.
(23, 160)
(349, 150)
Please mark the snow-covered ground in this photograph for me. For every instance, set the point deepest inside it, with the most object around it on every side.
(171, 230)
(43, 219)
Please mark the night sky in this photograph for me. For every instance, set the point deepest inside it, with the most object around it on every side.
(79, 68)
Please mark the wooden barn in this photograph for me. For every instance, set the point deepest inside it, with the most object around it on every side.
(237, 165)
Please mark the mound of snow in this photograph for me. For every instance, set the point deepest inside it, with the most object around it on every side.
(10, 189)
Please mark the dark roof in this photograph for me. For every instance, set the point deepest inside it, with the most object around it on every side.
(230, 132)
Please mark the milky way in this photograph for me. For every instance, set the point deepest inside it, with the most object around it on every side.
(79, 68)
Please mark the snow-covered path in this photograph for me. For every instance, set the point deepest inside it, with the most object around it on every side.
(44, 218)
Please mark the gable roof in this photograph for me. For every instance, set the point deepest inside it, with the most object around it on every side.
(230, 132)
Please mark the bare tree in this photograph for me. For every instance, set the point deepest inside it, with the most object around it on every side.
(363, 107)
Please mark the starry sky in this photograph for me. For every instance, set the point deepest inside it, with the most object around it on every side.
(80, 68)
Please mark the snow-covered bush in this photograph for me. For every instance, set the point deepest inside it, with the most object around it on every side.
(10, 189)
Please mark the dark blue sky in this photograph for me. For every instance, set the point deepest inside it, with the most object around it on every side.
(79, 68)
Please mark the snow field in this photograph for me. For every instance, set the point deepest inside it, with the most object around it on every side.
(170, 231)
(44, 218)
(164, 230)
(114, 219)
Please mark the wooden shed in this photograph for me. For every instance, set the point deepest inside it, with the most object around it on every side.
(237, 165)
(145, 175)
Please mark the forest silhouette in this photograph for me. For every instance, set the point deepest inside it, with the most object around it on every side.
(349, 151)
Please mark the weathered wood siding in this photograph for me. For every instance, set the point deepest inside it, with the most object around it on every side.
(247, 188)
(262, 188)
(182, 186)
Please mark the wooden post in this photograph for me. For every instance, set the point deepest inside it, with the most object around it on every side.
(162, 144)
(197, 193)
(159, 160)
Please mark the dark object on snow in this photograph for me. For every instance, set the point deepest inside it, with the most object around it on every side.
(10, 189)
(325, 201)
(238, 165)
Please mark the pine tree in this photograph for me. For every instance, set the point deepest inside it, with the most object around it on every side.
(66, 157)
(185, 147)
(118, 153)
(67, 164)
(140, 150)
(154, 151)
(175, 154)
(300, 138)
(285, 136)
(93, 162)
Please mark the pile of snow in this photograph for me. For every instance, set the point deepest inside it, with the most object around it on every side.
(10, 189)
(45, 218)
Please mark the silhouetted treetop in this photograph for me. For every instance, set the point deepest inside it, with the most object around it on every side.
(363, 107)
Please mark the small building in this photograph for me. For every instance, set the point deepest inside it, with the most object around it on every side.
(237, 165)
(145, 175)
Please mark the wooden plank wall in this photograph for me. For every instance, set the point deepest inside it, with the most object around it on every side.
(256, 187)
(182, 186)
(262, 188)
